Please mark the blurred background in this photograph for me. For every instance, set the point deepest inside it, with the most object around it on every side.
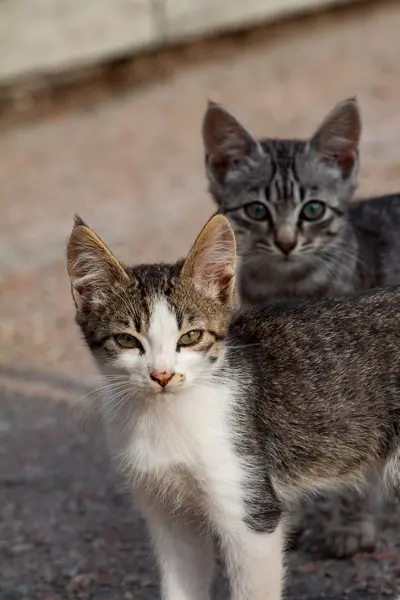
(101, 103)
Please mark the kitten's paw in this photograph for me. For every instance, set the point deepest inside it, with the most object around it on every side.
(346, 540)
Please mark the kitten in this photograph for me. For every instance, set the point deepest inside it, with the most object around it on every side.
(298, 233)
(289, 203)
(202, 403)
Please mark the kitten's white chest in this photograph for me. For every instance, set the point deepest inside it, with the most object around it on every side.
(173, 432)
(162, 439)
(188, 437)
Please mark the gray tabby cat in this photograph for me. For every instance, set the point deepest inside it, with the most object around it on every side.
(298, 233)
(201, 403)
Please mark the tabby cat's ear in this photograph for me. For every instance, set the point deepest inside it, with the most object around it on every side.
(229, 147)
(337, 139)
(211, 262)
(91, 266)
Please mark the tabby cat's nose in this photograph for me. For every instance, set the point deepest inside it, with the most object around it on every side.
(285, 247)
(161, 377)
(285, 238)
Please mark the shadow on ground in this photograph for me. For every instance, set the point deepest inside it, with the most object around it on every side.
(69, 531)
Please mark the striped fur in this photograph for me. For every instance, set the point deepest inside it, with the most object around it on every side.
(283, 176)
(353, 246)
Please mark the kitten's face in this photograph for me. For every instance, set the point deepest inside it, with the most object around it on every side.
(158, 327)
(286, 200)
(161, 333)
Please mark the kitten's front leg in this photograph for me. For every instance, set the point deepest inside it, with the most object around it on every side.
(255, 563)
(184, 552)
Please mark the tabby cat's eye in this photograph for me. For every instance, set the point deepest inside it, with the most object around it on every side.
(127, 341)
(256, 211)
(190, 338)
(313, 210)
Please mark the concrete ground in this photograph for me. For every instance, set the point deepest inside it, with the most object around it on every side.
(133, 168)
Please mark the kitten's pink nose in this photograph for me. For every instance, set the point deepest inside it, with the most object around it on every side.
(161, 377)
(286, 247)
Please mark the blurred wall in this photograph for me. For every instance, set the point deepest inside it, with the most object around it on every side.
(47, 35)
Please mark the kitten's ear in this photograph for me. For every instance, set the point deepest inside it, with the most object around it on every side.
(91, 266)
(228, 145)
(211, 262)
(337, 139)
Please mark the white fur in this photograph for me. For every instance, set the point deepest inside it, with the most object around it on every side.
(160, 344)
(163, 337)
(177, 449)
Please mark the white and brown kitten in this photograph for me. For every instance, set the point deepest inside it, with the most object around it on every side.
(222, 421)
(299, 234)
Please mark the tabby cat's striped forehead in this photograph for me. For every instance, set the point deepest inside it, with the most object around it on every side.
(283, 174)
(283, 153)
(149, 283)
(129, 307)
(286, 179)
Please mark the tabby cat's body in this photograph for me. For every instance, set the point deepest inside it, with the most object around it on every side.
(222, 422)
(298, 234)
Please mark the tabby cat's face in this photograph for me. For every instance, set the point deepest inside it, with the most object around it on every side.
(158, 328)
(286, 200)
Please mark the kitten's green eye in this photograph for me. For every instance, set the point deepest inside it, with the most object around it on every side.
(313, 210)
(190, 338)
(124, 340)
(257, 211)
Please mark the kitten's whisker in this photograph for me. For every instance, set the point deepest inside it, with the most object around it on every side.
(348, 255)
(319, 263)
(102, 388)
(101, 395)
(114, 403)
(327, 265)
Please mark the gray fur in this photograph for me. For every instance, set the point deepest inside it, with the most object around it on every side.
(325, 374)
(354, 247)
